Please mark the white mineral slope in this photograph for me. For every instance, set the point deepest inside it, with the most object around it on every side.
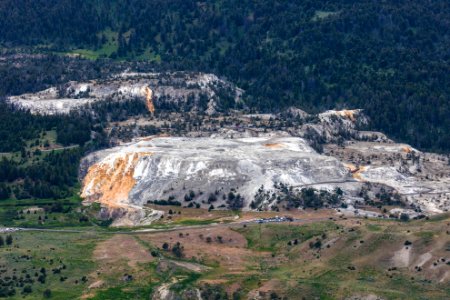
(162, 167)
(430, 195)
(423, 179)
(177, 88)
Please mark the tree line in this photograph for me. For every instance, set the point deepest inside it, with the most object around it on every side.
(389, 57)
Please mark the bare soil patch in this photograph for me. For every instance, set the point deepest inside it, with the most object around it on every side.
(209, 245)
(122, 247)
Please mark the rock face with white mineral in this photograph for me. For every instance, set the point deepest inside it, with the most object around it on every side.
(254, 167)
(178, 168)
(182, 90)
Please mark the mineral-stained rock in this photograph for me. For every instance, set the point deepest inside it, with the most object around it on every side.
(182, 90)
(170, 167)
(206, 170)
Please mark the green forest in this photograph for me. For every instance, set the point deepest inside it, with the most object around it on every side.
(27, 168)
(391, 58)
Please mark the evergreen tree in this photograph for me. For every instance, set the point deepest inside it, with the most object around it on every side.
(9, 240)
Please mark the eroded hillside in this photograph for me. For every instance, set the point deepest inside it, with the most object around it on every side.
(183, 91)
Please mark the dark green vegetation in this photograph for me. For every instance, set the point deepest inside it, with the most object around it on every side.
(291, 198)
(41, 154)
(32, 73)
(18, 127)
(389, 57)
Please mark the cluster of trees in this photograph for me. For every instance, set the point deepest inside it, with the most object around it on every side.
(294, 198)
(53, 177)
(8, 240)
(215, 291)
(31, 73)
(312, 198)
(15, 129)
(7, 290)
(5, 191)
(189, 196)
(165, 202)
(113, 111)
(25, 280)
(177, 249)
(390, 57)
(383, 196)
(55, 174)
(235, 201)
(19, 126)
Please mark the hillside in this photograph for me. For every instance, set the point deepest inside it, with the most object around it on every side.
(320, 255)
(390, 58)
(190, 148)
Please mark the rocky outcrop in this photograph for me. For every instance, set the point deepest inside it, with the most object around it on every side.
(180, 90)
(111, 180)
(335, 125)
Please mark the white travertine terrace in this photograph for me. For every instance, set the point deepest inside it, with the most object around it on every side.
(137, 172)
(178, 88)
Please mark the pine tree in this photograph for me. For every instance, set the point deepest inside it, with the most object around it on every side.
(9, 239)
(2, 241)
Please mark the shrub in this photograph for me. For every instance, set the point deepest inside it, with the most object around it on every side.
(47, 293)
